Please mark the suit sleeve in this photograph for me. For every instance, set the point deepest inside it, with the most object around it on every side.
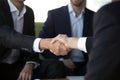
(104, 61)
(89, 42)
(12, 39)
(29, 23)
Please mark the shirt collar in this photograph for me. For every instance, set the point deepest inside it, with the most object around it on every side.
(70, 9)
(14, 9)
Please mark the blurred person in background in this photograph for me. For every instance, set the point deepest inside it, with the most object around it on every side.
(74, 20)
(104, 59)
(15, 63)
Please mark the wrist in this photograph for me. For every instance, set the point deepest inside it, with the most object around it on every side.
(30, 65)
(44, 43)
(73, 42)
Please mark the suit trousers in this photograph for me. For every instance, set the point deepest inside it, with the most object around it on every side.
(80, 69)
(10, 71)
(50, 69)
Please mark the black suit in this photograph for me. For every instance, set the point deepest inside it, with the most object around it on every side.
(8, 35)
(58, 22)
(11, 71)
(104, 63)
(9, 39)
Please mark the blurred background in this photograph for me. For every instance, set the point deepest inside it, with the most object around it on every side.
(41, 7)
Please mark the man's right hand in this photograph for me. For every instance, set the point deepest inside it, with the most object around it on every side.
(69, 64)
(58, 48)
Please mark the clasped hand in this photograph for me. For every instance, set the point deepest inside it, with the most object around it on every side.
(59, 45)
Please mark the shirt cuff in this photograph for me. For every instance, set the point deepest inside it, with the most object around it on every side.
(32, 62)
(61, 59)
(82, 44)
(36, 45)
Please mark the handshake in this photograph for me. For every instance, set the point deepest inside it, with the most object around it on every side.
(59, 45)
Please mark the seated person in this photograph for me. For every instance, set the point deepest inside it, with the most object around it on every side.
(74, 20)
(14, 63)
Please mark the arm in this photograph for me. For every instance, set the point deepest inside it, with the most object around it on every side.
(16, 40)
(81, 43)
(12, 39)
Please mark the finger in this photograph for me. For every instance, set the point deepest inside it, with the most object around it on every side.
(19, 78)
(59, 38)
(26, 77)
(55, 39)
(23, 77)
(30, 77)
(51, 51)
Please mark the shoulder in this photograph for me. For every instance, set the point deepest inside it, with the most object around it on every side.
(89, 11)
(4, 5)
(58, 10)
(112, 8)
(108, 12)
(29, 8)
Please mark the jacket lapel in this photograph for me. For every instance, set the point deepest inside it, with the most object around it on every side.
(8, 15)
(67, 21)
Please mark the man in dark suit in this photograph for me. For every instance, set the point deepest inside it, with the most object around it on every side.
(15, 19)
(22, 62)
(73, 20)
(104, 56)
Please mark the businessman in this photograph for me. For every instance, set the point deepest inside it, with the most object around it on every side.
(12, 61)
(104, 56)
(74, 20)
(15, 19)
(8, 38)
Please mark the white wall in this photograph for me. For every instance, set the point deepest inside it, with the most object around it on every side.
(41, 7)
(96, 4)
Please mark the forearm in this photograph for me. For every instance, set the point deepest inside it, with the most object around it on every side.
(78, 43)
(73, 42)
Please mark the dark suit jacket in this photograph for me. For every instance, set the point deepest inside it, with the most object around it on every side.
(58, 22)
(7, 33)
(8, 38)
(104, 61)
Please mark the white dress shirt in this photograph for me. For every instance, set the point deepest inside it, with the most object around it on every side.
(77, 22)
(18, 19)
(82, 44)
(36, 45)
(81, 41)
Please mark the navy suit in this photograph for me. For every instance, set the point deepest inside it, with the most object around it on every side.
(58, 22)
